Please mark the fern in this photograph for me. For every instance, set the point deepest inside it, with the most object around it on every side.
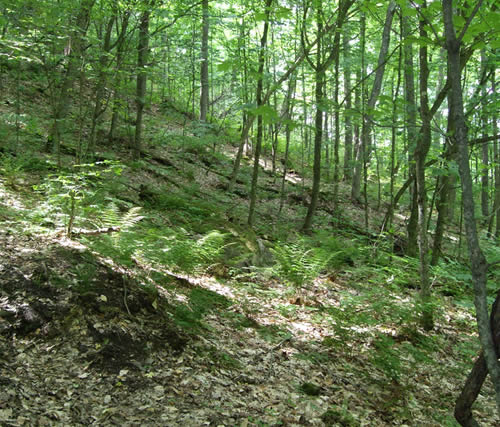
(298, 264)
(111, 216)
(131, 218)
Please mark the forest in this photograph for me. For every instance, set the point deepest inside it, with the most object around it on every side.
(249, 213)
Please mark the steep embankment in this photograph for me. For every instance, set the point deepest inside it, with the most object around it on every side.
(187, 317)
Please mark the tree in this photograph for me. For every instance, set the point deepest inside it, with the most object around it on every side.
(479, 265)
(99, 104)
(142, 60)
(348, 137)
(363, 151)
(320, 66)
(420, 155)
(260, 103)
(204, 63)
(74, 51)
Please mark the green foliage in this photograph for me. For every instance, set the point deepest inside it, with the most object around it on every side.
(201, 301)
(386, 357)
(339, 416)
(190, 256)
(10, 168)
(77, 198)
(339, 250)
(298, 263)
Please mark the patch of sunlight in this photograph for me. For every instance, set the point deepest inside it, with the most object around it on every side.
(183, 299)
(450, 237)
(312, 331)
(294, 179)
(388, 331)
(213, 285)
(7, 199)
(206, 282)
(400, 217)
(360, 329)
(71, 244)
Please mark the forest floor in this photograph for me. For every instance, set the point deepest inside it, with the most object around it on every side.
(88, 340)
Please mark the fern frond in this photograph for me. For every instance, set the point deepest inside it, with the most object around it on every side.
(110, 217)
(131, 218)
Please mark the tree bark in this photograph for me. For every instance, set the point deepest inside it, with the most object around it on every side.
(421, 151)
(99, 105)
(142, 58)
(348, 137)
(320, 68)
(74, 50)
(120, 49)
(260, 86)
(363, 153)
(204, 63)
(288, 110)
(485, 199)
(496, 154)
(479, 265)
(475, 380)
(411, 137)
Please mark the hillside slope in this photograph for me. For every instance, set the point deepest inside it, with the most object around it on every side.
(132, 293)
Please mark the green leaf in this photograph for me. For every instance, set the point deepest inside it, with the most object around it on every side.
(458, 21)
(267, 112)
(225, 66)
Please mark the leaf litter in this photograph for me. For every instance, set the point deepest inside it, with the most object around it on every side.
(99, 348)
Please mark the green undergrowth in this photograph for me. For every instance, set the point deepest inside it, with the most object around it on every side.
(168, 226)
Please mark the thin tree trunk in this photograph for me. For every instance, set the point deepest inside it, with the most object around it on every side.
(74, 49)
(475, 380)
(318, 122)
(348, 141)
(442, 203)
(120, 49)
(204, 63)
(423, 146)
(320, 67)
(387, 223)
(100, 87)
(479, 265)
(496, 154)
(411, 137)
(258, 143)
(142, 58)
(288, 110)
(336, 115)
(485, 199)
(375, 92)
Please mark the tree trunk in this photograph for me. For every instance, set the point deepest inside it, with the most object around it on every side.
(442, 203)
(258, 143)
(120, 49)
(348, 142)
(101, 85)
(142, 58)
(475, 380)
(496, 154)
(485, 199)
(288, 110)
(422, 148)
(479, 265)
(75, 51)
(204, 63)
(364, 151)
(318, 122)
(336, 115)
(320, 68)
(411, 138)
